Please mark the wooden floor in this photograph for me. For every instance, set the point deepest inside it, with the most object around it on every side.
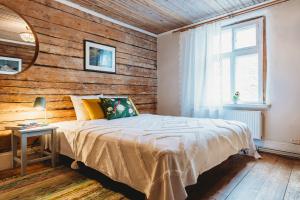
(239, 178)
(242, 178)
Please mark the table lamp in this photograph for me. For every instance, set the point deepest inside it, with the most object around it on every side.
(40, 104)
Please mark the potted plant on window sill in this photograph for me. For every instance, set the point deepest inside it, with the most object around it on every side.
(235, 97)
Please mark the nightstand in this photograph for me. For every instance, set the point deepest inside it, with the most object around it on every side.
(22, 134)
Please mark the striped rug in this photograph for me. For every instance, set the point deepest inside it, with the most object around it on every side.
(55, 183)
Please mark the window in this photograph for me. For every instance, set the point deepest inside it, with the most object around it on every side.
(242, 61)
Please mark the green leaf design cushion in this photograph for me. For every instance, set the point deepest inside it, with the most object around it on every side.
(115, 108)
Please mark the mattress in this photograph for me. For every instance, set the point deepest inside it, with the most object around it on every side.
(156, 155)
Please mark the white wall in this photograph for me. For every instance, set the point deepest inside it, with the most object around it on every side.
(168, 74)
(282, 120)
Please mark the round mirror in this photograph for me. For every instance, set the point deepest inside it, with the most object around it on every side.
(18, 43)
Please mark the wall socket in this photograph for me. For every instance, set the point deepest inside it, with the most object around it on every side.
(295, 141)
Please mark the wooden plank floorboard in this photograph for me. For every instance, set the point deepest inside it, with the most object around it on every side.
(221, 180)
(231, 179)
(293, 188)
(276, 183)
(252, 182)
(266, 181)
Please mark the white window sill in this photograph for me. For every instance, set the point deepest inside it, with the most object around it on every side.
(240, 106)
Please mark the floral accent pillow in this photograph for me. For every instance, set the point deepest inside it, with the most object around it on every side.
(115, 108)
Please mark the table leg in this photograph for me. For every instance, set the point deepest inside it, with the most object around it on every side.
(14, 148)
(23, 154)
(42, 145)
(53, 147)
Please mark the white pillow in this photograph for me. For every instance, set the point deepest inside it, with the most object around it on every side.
(81, 113)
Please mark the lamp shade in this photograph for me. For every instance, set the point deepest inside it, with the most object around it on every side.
(40, 103)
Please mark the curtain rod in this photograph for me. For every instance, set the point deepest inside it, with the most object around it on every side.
(231, 15)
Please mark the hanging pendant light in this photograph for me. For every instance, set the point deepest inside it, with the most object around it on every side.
(27, 36)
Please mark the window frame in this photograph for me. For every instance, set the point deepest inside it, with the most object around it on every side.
(259, 49)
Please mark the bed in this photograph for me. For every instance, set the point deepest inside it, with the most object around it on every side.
(156, 155)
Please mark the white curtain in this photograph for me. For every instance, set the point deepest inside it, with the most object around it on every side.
(201, 72)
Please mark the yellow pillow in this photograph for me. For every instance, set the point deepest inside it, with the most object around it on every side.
(136, 110)
(93, 107)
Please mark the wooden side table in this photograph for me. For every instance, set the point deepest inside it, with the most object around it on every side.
(22, 134)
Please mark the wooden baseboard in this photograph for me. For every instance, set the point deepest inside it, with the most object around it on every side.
(280, 148)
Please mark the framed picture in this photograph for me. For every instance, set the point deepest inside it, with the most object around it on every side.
(99, 57)
(10, 65)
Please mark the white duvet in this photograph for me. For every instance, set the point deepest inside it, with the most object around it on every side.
(156, 155)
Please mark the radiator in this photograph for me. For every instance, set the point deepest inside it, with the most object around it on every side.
(252, 118)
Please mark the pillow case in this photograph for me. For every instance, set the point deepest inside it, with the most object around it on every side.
(135, 109)
(80, 111)
(115, 108)
(93, 108)
(115, 96)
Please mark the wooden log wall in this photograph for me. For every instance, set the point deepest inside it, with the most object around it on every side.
(25, 52)
(58, 70)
